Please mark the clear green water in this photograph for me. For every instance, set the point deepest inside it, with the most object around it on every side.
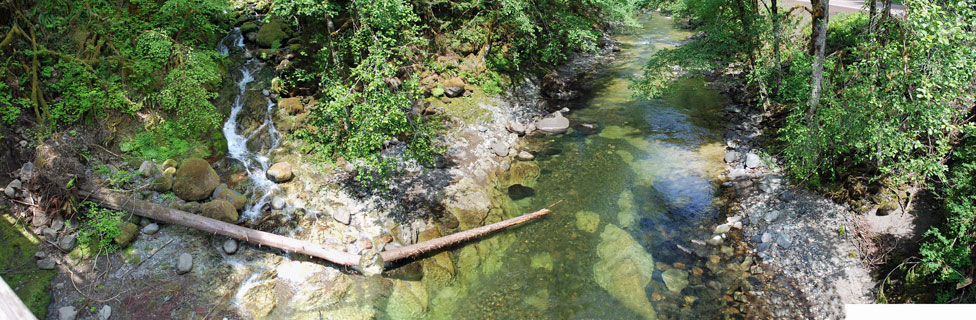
(647, 169)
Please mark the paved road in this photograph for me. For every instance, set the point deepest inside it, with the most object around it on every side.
(842, 6)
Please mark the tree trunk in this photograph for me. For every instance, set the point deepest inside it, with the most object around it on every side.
(774, 10)
(818, 38)
(118, 201)
(872, 15)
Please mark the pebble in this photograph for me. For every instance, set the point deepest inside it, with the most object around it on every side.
(230, 246)
(67, 313)
(341, 215)
(105, 313)
(771, 216)
(277, 203)
(715, 241)
(786, 196)
(784, 241)
(151, 228)
(722, 228)
(525, 156)
(184, 264)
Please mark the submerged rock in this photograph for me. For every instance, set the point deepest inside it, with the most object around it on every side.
(554, 123)
(542, 260)
(195, 180)
(587, 221)
(230, 246)
(624, 270)
(409, 300)
(675, 279)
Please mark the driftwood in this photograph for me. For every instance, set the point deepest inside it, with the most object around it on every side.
(117, 201)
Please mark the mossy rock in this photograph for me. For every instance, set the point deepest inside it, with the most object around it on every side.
(225, 193)
(295, 47)
(31, 284)
(220, 209)
(195, 180)
(437, 92)
(272, 33)
(248, 27)
(163, 183)
(129, 231)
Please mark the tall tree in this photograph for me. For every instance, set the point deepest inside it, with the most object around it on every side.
(818, 38)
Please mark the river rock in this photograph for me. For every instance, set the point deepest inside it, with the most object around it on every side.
(129, 231)
(731, 157)
(784, 241)
(753, 161)
(150, 229)
(195, 180)
(516, 127)
(524, 156)
(230, 246)
(624, 270)
(722, 228)
(225, 193)
(67, 313)
(500, 149)
(184, 263)
(46, 264)
(49, 233)
(587, 221)
(12, 188)
(786, 196)
(147, 169)
(738, 173)
(675, 279)
(277, 202)
(67, 243)
(341, 214)
(280, 172)
(220, 209)
(716, 240)
(170, 163)
(105, 313)
(163, 183)
(554, 123)
(771, 216)
(409, 300)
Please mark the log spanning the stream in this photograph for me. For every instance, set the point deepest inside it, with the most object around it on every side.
(118, 201)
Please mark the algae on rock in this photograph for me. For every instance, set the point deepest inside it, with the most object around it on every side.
(624, 270)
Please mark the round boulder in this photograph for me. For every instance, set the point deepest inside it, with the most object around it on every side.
(220, 209)
(195, 180)
(554, 123)
(280, 172)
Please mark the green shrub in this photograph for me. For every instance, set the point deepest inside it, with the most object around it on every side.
(99, 227)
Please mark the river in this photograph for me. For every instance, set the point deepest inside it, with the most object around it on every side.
(648, 169)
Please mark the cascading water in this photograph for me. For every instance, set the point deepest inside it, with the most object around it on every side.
(256, 161)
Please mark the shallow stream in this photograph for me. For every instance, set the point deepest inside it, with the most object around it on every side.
(636, 186)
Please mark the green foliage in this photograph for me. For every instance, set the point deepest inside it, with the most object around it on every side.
(947, 252)
(115, 179)
(99, 228)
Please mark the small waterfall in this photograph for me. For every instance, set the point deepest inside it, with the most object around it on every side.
(255, 162)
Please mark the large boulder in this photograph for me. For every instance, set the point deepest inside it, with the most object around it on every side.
(275, 32)
(224, 193)
(220, 209)
(280, 172)
(624, 270)
(195, 180)
(554, 123)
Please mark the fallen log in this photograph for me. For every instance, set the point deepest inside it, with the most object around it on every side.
(118, 201)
